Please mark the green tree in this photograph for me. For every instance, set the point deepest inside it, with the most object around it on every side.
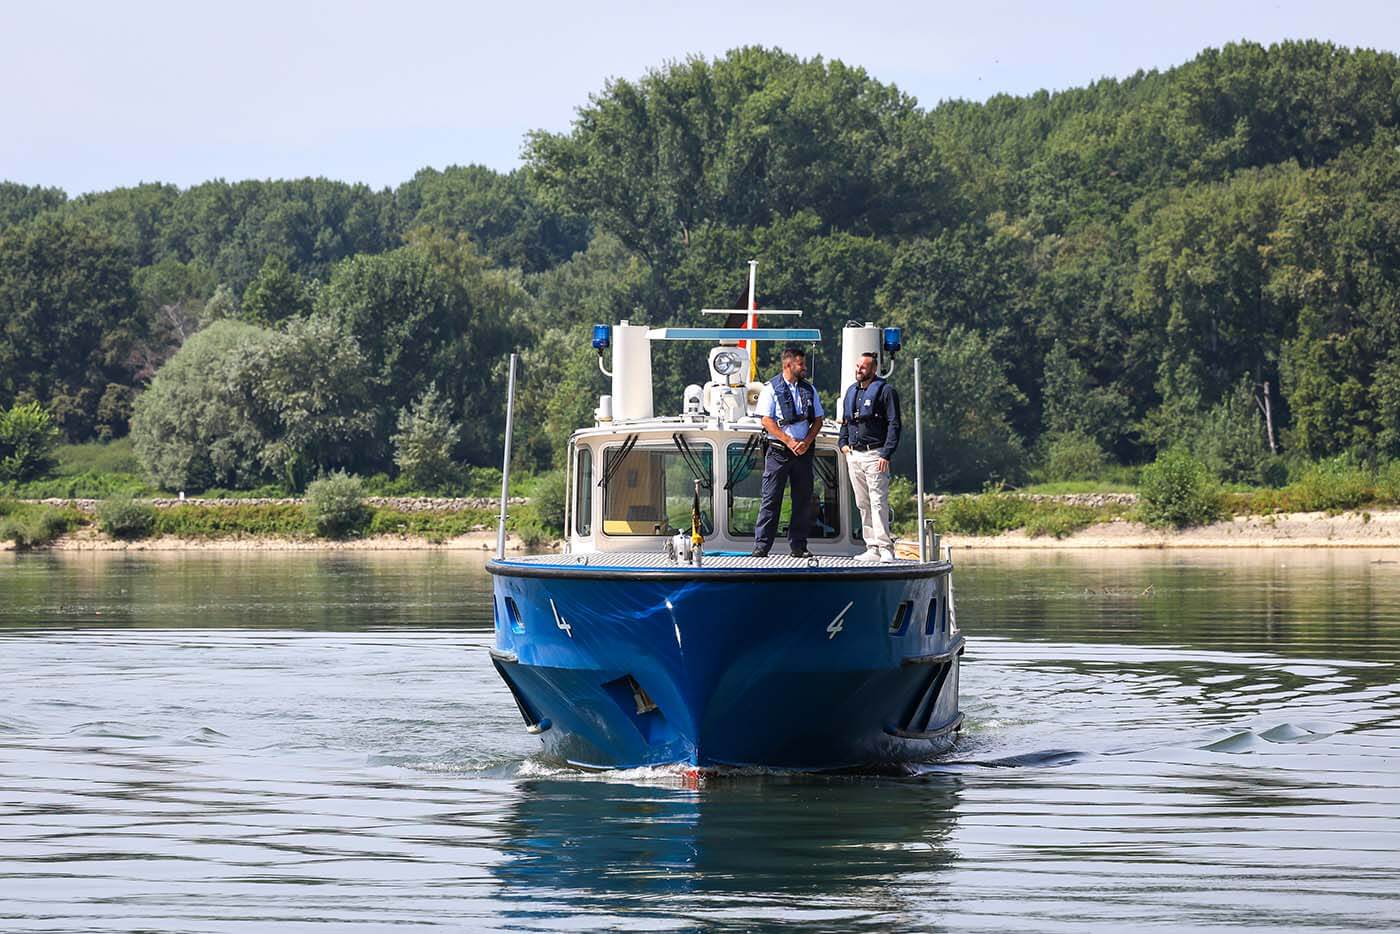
(175, 302)
(1338, 266)
(275, 294)
(500, 214)
(1074, 406)
(68, 321)
(740, 143)
(19, 203)
(967, 402)
(240, 405)
(27, 438)
(430, 313)
(425, 441)
(315, 401)
(1231, 440)
(199, 424)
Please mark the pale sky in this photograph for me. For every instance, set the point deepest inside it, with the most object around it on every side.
(104, 94)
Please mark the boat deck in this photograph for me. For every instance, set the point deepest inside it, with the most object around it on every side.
(715, 564)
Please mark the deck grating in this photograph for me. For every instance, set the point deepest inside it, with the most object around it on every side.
(653, 559)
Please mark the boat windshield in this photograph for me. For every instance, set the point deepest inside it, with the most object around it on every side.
(745, 488)
(650, 491)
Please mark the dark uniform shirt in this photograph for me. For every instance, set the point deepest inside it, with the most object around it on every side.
(870, 418)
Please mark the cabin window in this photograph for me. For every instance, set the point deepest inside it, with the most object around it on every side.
(744, 490)
(583, 496)
(651, 491)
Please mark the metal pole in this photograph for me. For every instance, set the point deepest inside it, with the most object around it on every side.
(918, 458)
(505, 463)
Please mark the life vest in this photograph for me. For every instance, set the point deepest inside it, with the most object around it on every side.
(868, 409)
(785, 402)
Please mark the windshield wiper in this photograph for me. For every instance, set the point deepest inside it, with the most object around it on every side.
(743, 465)
(694, 461)
(614, 464)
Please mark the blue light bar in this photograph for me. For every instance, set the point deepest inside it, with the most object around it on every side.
(735, 334)
(602, 336)
(893, 340)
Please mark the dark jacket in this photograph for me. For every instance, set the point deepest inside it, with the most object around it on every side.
(871, 417)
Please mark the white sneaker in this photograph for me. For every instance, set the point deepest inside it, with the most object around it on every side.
(887, 556)
(870, 554)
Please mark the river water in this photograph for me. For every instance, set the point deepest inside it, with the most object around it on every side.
(291, 742)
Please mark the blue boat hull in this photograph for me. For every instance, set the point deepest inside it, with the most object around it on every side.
(802, 670)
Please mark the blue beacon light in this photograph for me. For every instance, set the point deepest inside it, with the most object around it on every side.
(602, 337)
(892, 339)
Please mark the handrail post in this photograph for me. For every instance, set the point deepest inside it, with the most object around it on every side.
(505, 463)
(918, 459)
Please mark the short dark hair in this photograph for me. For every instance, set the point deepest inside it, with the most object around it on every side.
(793, 351)
(871, 355)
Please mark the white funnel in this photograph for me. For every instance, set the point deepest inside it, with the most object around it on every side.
(631, 373)
(854, 342)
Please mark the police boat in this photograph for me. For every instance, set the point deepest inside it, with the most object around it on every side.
(655, 638)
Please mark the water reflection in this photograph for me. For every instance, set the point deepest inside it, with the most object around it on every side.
(756, 848)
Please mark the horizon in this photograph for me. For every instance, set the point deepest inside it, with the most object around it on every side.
(161, 97)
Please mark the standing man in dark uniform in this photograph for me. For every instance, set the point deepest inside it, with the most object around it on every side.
(869, 434)
(792, 416)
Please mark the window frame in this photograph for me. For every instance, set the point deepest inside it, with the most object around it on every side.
(839, 499)
(667, 448)
(583, 492)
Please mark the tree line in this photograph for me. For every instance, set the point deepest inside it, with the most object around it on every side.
(1206, 257)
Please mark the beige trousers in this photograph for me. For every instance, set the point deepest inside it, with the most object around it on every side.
(872, 489)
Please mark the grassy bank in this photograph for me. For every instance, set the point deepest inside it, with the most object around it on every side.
(1175, 493)
(32, 525)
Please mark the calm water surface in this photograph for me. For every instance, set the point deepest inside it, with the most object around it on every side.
(292, 742)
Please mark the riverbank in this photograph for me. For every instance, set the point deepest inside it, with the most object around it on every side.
(1280, 530)
(89, 539)
(1375, 529)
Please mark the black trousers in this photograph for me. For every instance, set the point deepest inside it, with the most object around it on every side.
(780, 468)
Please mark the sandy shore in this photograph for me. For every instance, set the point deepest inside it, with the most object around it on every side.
(91, 540)
(1285, 530)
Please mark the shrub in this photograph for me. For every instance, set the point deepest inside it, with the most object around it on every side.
(29, 525)
(525, 522)
(1334, 484)
(483, 481)
(1074, 456)
(124, 517)
(250, 519)
(548, 500)
(988, 513)
(97, 457)
(903, 506)
(27, 439)
(1177, 490)
(335, 505)
(81, 486)
(1059, 519)
(1388, 482)
(435, 525)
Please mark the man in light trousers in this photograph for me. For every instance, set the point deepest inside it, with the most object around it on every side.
(869, 435)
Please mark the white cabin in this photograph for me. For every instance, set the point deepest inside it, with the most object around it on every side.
(631, 476)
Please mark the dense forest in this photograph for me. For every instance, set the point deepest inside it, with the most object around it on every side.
(1206, 258)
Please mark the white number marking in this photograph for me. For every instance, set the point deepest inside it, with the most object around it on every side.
(559, 620)
(839, 623)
